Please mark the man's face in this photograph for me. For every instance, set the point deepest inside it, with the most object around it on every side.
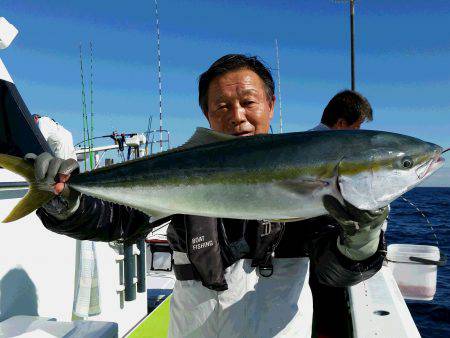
(341, 124)
(238, 104)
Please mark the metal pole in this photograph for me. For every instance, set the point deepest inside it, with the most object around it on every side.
(352, 41)
(147, 134)
(279, 86)
(159, 77)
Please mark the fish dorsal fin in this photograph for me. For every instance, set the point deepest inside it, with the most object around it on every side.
(205, 136)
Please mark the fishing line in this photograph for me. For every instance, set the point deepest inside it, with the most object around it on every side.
(366, 290)
(426, 218)
(363, 281)
(445, 150)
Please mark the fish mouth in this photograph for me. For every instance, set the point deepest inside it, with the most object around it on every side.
(431, 166)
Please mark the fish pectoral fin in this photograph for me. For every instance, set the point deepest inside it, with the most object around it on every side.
(205, 136)
(304, 186)
(153, 214)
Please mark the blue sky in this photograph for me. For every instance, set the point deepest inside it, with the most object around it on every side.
(402, 53)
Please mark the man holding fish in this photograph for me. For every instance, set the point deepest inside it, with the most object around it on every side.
(241, 246)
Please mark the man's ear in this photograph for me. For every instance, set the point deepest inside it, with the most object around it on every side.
(207, 117)
(272, 106)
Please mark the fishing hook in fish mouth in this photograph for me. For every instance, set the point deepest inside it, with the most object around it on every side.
(437, 160)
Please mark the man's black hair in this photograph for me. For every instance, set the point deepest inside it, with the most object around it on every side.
(348, 105)
(228, 63)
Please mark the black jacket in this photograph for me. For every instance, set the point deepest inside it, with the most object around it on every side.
(98, 220)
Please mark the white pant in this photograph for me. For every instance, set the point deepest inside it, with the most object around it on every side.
(253, 306)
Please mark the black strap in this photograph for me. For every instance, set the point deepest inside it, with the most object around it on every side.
(268, 237)
(265, 267)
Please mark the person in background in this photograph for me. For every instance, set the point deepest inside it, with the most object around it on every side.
(347, 110)
(236, 278)
(87, 297)
(58, 138)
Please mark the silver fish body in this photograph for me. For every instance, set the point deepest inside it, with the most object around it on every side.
(282, 176)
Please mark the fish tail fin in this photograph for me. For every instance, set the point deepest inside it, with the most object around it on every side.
(35, 197)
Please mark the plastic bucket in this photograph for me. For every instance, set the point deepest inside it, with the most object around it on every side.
(415, 269)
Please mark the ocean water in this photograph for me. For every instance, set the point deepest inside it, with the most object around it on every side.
(406, 225)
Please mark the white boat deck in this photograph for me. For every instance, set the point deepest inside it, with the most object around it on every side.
(378, 309)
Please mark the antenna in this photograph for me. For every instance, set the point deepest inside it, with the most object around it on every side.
(352, 40)
(91, 142)
(279, 86)
(159, 78)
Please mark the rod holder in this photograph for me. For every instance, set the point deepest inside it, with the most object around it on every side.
(141, 273)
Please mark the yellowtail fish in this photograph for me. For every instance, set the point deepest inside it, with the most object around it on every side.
(272, 177)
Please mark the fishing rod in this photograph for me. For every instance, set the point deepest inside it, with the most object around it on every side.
(113, 136)
(83, 105)
(95, 138)
(279, 85)
(159, 78)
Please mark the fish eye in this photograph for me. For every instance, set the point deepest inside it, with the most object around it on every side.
(407, 162)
